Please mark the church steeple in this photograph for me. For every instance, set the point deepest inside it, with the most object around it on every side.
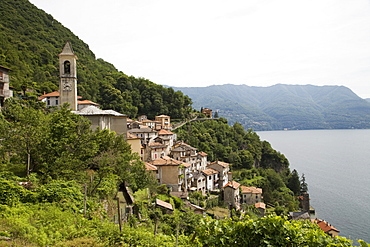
(68, 76)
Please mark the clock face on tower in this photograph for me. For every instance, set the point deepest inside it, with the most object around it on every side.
(67, 86)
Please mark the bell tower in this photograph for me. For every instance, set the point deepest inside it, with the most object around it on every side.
(68, 77)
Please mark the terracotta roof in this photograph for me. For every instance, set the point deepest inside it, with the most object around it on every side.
(210, 171)
(325, 226)
(86, 102)
(52, 94)
(232, 184)
(186, 164)
(223, 164)
(166, 161)
(164, 132)
(260, 205)
(150, 167)
(162, 116)
(131, 136)
(163, 204)
(251, 190)
(202, 153)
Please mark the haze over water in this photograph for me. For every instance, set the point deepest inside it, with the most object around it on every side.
(336, 164)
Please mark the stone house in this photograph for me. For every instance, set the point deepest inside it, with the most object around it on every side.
(145, 134)
(198, 183)
(207, 112)
(223, 169)
(165, 121)
(251, 195)
(173, 173)
(231, 192)
(327, 228)
(105, 119)
(166, 137)
(211, 176)
(156, 150)
(186, 153)
(261, 207)
(5, 90)
(150, 123)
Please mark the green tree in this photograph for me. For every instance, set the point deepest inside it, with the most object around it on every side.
(294, 183)
(23, 134)
(304, 185)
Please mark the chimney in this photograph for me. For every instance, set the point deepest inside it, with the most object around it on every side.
(229, 176)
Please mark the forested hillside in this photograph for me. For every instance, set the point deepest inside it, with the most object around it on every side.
(284, 106)
(30, 41)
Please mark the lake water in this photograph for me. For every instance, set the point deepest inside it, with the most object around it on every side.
(336, 164)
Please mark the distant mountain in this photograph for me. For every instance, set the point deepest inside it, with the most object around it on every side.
(284, 106)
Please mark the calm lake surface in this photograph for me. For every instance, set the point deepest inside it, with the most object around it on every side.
(336, 164)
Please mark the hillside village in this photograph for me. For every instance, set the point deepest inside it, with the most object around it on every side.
(174, 163)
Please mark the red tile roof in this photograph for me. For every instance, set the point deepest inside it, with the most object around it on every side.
(86, 102)
(166, 161)
(150, 167)
(164, 132)
(53, 94)
(325, 226)
(131, 136)
(210, 171)
(223, 164)
(202, 153)
(251, 190)
(186, 164)
(232, 184)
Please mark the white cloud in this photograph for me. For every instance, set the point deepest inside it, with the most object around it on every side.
(199, 43)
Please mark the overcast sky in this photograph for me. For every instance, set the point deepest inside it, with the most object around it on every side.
(206, 42)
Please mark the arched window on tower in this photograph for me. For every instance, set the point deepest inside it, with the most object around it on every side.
(67, 67)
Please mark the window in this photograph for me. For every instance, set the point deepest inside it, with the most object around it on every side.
(1, 76)
(56, 102)
(67, 67)
(48, 103)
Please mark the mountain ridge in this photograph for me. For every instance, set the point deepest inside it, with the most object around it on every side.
(283, 106)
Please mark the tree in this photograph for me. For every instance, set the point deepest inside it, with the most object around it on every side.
(216, 114)
(294, 183)
(23, 132)
(304, 185)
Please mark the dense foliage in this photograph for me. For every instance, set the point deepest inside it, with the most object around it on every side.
(61, 224)
(59, 145)
(30, 41)
(284, 106)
